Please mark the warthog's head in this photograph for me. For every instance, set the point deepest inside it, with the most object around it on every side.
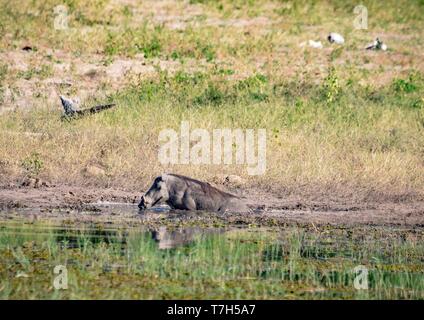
(158, 193)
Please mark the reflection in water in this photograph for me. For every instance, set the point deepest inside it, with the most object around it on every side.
(72, 237)
(168, 239)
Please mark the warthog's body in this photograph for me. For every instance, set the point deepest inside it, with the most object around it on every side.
(185, 193)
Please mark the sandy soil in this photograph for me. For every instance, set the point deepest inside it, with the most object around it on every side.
(115, 206)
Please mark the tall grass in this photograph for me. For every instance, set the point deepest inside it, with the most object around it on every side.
(337, 119)
(361, 137)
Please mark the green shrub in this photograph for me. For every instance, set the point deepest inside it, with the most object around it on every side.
(33, 164)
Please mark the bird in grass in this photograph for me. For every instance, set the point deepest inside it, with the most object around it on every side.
(68, 106)
(312, 44)
(335, 38)
(377, 45)
(71, 110)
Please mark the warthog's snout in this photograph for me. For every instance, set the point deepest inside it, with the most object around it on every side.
(142, 205)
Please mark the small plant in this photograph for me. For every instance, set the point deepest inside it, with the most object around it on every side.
(255, 87)
(151, 49)
(126, 11)
(175, 55)
(33, 164)
(182, 77)
(253, 82)
(417, 104)
(331, 86)
(226, 72)
(212, 95)
(111, 47)
(208, 53)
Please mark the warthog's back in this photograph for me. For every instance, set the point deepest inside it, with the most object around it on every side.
(206, 188)
(207, 197)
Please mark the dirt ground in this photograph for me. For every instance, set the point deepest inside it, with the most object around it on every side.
(116, 206)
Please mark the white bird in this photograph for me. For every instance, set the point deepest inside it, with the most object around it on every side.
(335, 38)
(68, 106)
(377, 45)
(312, 44)
(71, 110)
(315, 44)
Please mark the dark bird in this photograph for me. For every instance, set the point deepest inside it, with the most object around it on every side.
(377, 45)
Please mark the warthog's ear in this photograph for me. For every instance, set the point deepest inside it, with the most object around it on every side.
(164, 176)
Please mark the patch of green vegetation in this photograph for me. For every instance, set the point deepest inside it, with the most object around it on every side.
(43, 72)
(205, 89)
(227, 72)
(185, 78)
(331, 86)
(213, 88)
(211, 95)
(208, 52)
(256, 87)
(151, 49)
(126, 11)
(408, 91)
(405, 85)
(128, 42)
(33, 164)
(175, 55)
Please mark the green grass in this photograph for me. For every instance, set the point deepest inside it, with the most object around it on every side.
(239, 264)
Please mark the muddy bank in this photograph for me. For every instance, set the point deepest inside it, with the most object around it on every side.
(119, 206)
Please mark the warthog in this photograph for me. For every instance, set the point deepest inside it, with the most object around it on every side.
(185, 193)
